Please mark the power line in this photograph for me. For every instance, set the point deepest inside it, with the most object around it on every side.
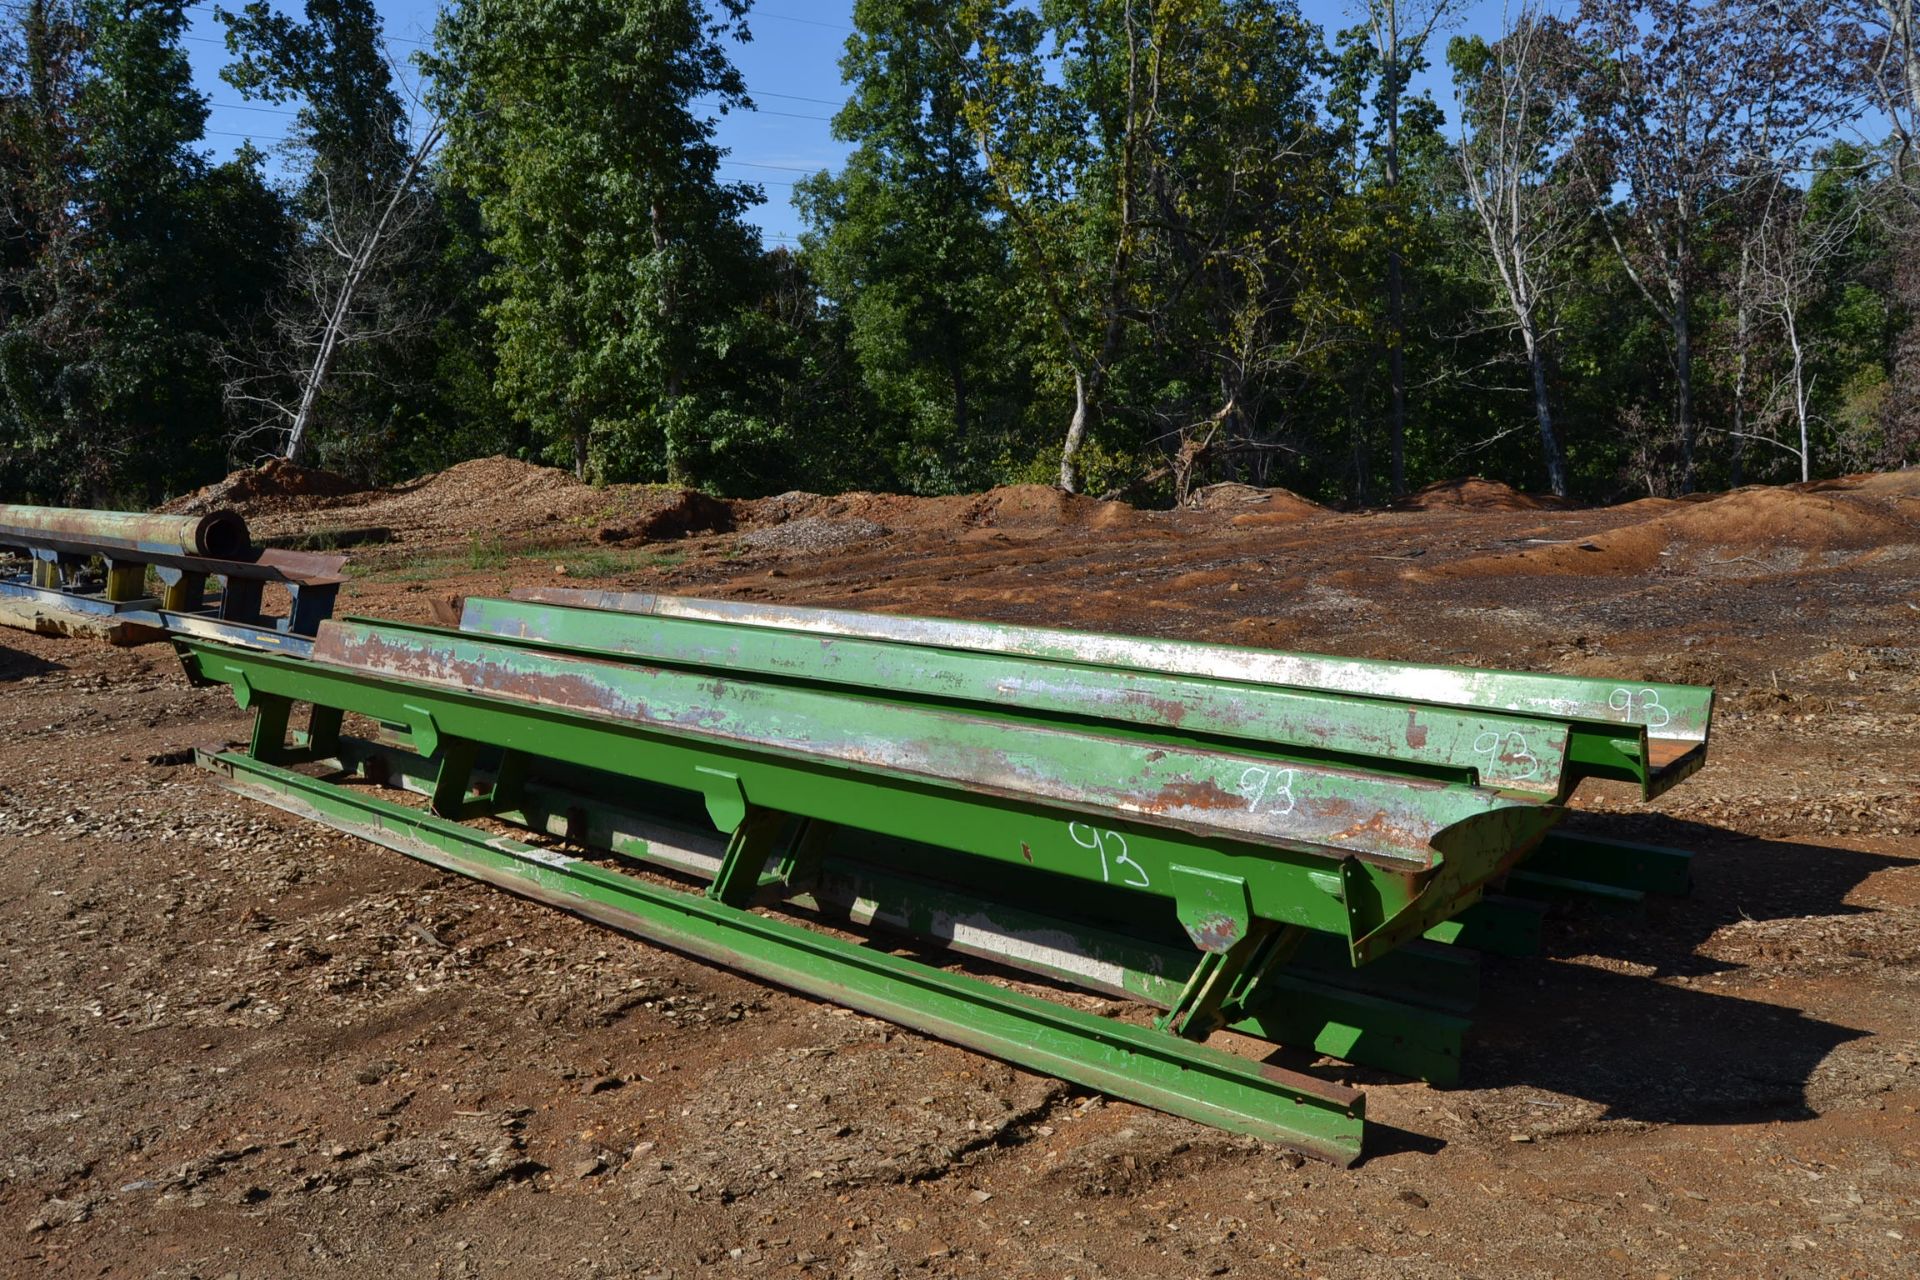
(241, 106)
(805, 22)
(789, 168)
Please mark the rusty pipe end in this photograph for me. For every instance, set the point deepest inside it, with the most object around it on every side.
(222, 535)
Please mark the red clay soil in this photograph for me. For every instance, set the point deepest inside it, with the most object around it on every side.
(274, 485)
(1473, 493)
(239, 1044)
(1781, 527)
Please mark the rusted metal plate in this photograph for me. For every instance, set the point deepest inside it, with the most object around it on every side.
(1497, 750)
(1242, 795)
(1670, 711)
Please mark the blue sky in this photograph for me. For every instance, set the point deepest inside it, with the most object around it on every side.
(792, 67)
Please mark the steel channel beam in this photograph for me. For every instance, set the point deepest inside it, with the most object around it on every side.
(597, 810)
(1496, 750)
(140, 610)
(1139, 1064)
(1403, 1013)
(1375, 903)
(1622, 864)
(238, 634)
(1500, 924)
(146, 613)
(1527, 883)
(1652, 733)
(1208, 792)
(1294, 1008)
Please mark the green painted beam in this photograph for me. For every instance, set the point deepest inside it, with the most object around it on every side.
(1650, 732)
(1624, 864)
(1528, 883)
(1293, 1008)
(1136, 1063)
(1497, 750)
(586, 808)
(1376, 903)
(1211, 791)
(1499, 924)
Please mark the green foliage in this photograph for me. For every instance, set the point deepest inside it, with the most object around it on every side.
(1131, 245)
(624, 277)
(132, 256)
(906, 250)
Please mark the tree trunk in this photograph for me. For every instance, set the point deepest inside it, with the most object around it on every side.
(1799, 391)
(1549, 441)
(1397, 372)
(962, 419)
(1076, 436)
(1396, 289)
(335, 331)
(1743, 325)
(1683, 385)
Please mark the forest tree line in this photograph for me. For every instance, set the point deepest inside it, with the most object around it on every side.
(1124, 246)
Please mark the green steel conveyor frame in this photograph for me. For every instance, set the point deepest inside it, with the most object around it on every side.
(1650, 733)
(1243, 846)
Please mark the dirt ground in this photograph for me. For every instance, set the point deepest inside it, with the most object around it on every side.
(233, 1044)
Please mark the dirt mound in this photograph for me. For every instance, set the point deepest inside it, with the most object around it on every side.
(658, 514)
(1044, 508)
(1904, 483)
(813, 534)
(494, 497)
(1032, 509)
(1248, 506)
(274, 485)
(1475, 493)
(1753, 530)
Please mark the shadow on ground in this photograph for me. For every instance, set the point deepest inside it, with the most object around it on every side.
(15, 665)
(1653, 1041)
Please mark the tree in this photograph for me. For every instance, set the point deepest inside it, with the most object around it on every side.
(1516, 156)
(1237, 192)
(1785, 267)
(904, 243)
(1064, 157)
(1680, 96)
(1888, 47)
(1399, 30)
(118, 266)
(366, 211)
(624, 272)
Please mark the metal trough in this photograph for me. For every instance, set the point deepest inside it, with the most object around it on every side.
(1227, 836)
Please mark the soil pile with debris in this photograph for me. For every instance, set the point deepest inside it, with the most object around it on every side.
(276, 485)
(813, 533)
(1249, 506)
(652, 514)
(1010, 512)
(510, 500)
(1475, 493)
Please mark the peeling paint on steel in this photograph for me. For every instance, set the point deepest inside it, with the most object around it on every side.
(1190, 788)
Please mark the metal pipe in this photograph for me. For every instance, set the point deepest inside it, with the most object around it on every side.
(218, 535)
